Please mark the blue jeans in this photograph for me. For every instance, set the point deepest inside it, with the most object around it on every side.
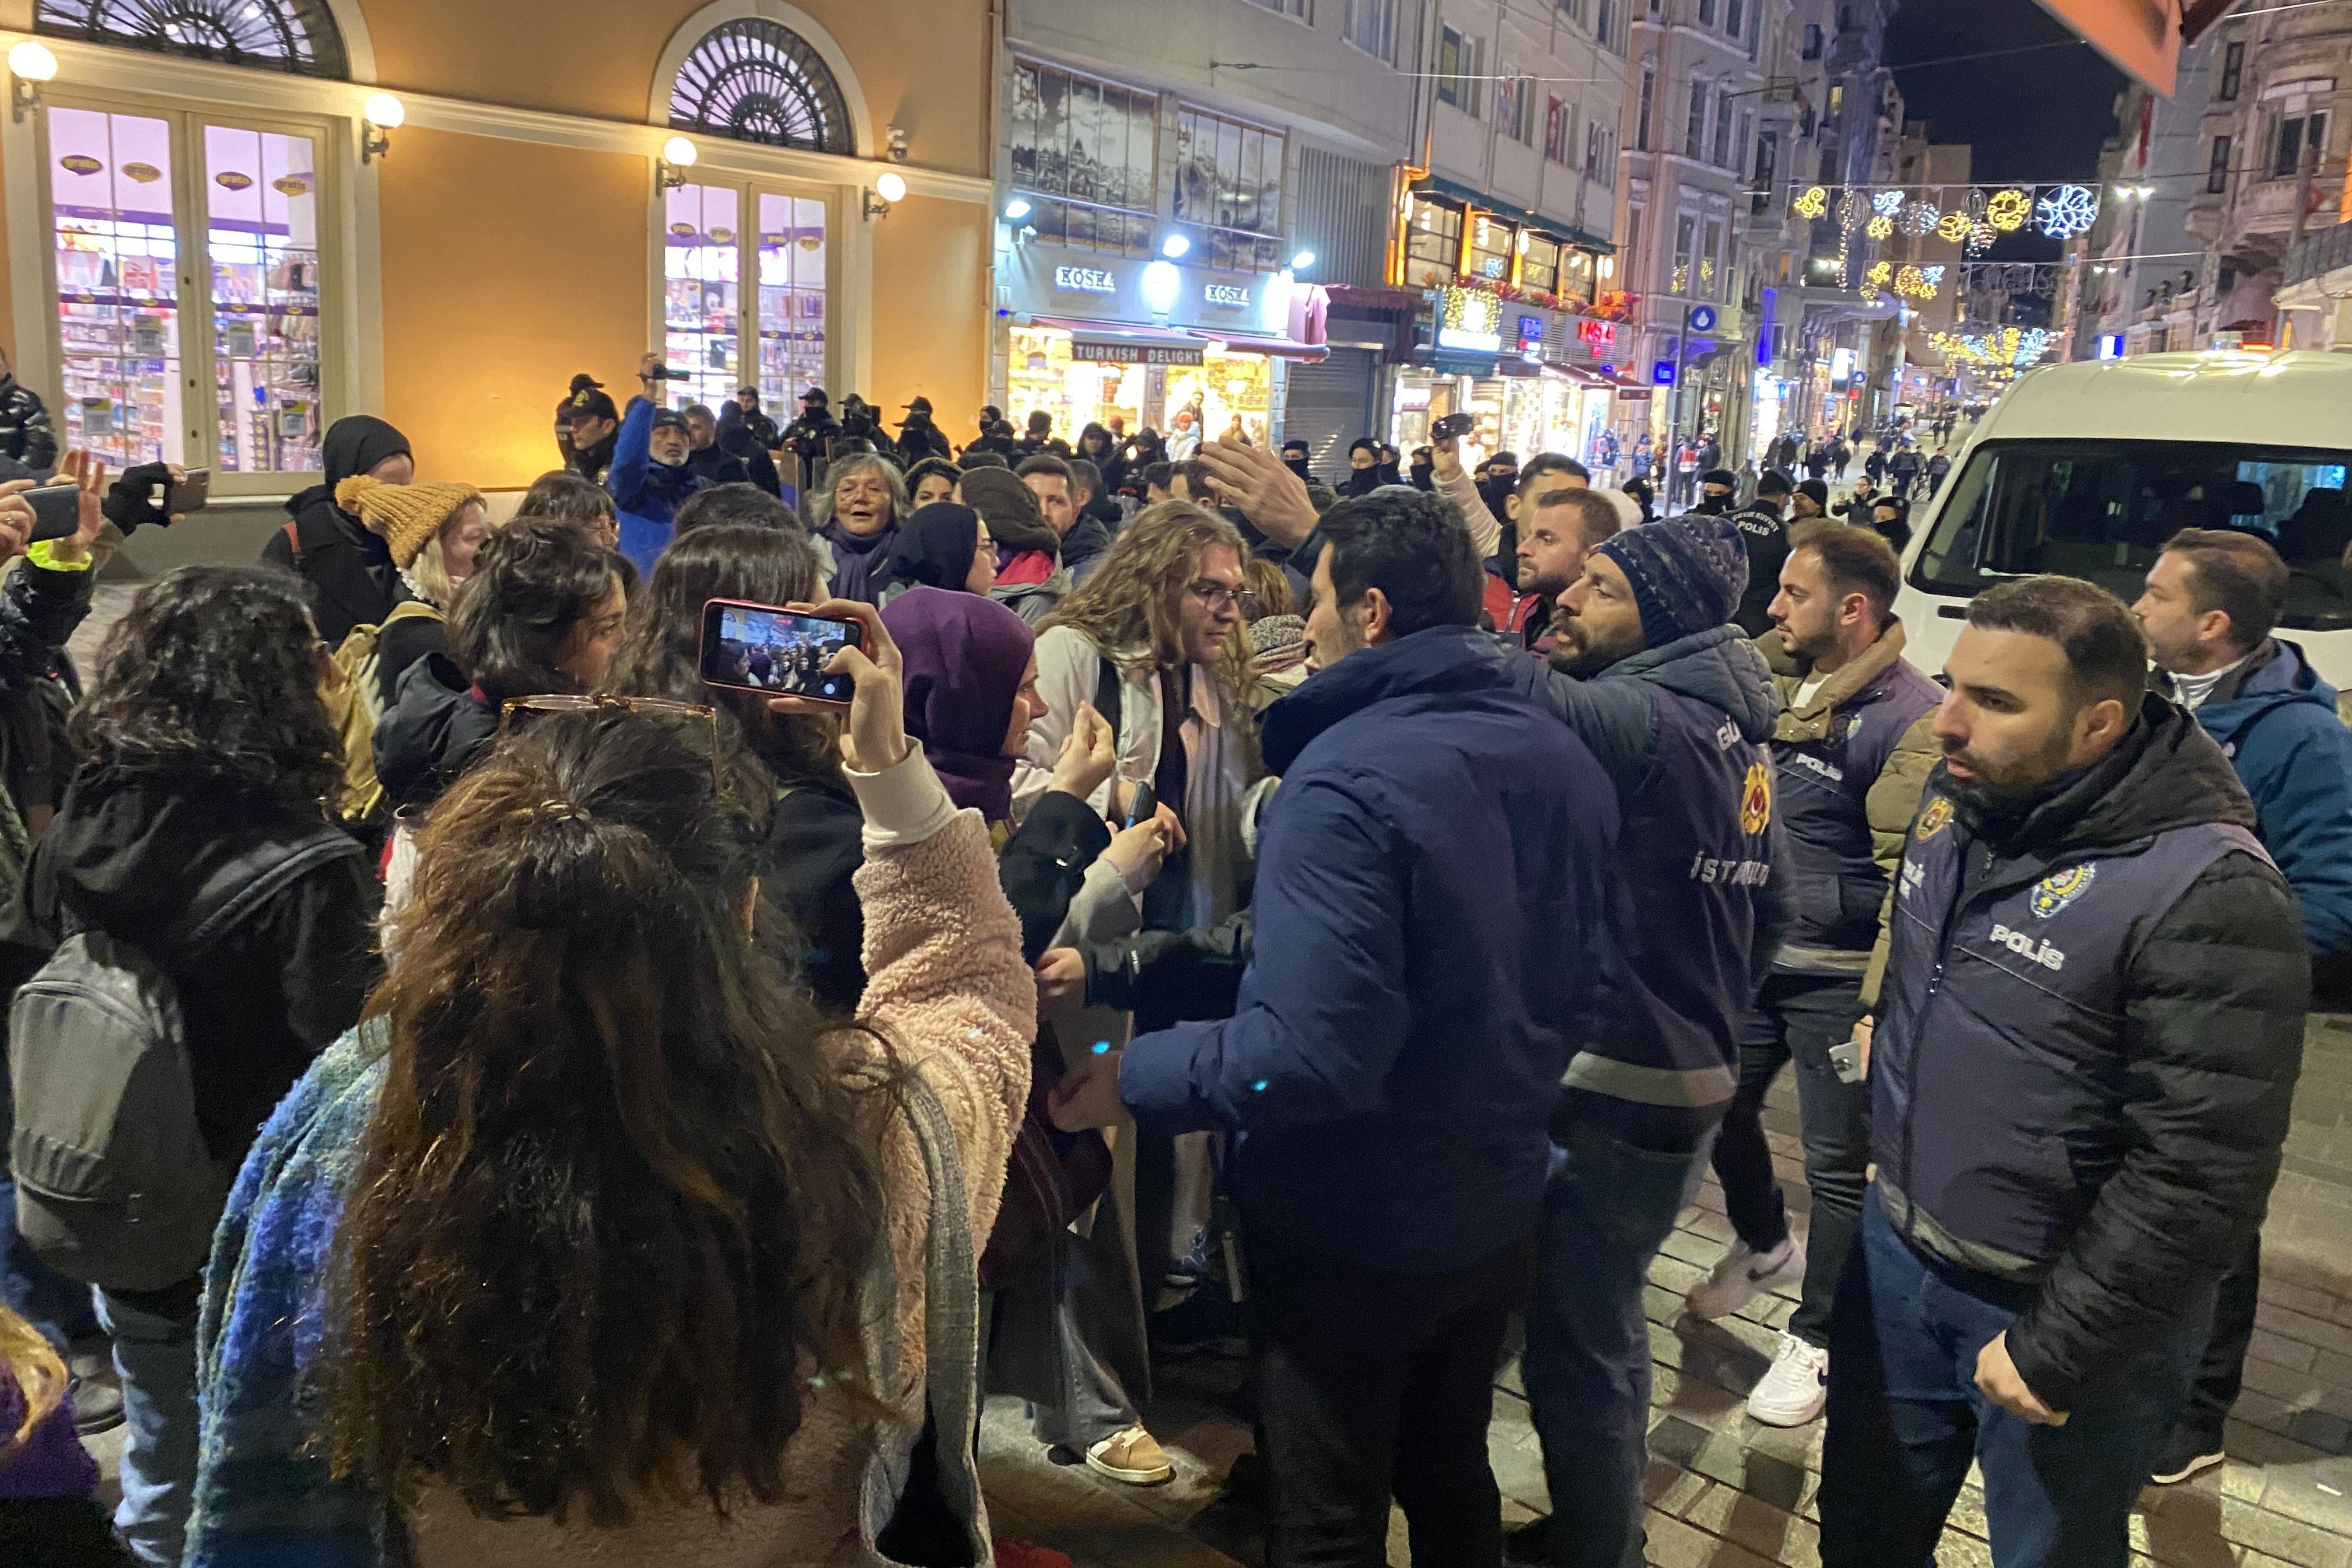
(154, 1335)
(59, 1307)
(1608, 1207)
(1905, 1416)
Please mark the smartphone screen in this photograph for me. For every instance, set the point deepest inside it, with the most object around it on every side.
(782, 653)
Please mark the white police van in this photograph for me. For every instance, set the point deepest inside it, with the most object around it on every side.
(2086, 469)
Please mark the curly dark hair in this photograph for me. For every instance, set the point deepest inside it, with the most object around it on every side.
(567, 494)
(735, 503)
(662, 656)
(533, 583)
(615, 1199)
(217, 669)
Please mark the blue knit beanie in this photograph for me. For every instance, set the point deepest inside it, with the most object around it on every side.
(1688, 573)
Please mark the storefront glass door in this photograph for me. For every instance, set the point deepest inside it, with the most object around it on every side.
(707, 314)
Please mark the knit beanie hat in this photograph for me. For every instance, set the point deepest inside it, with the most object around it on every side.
(405, 517)
(1688, 573)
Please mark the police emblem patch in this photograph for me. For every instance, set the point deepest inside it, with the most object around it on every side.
(1756, 800)
(1934, 820)
(2059, 889)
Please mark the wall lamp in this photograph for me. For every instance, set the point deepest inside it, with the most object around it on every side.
(889, 189)
(385, 115)
(677, 155)
(29, 65)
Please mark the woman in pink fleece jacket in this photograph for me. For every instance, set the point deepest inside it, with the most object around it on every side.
(596, 1290)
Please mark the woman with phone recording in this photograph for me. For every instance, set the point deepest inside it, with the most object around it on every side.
(590, 1209)
(791, 762)
(971, 684)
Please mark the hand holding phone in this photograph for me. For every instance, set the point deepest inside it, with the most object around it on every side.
(874, 737)
(777, 650)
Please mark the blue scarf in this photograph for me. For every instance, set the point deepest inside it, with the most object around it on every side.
(263, 1497)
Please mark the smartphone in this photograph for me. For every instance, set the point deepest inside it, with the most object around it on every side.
(776, 652)
(1144, 806)
(1453, 425)
(57, 510)
(193, 493)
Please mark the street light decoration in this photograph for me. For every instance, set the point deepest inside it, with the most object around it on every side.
(1813, 203)
(1920, 218)
(2008, 209)
(1954, 225)
(2068, 211)
(1881, 226)
(1850, 210)
(1886, 203)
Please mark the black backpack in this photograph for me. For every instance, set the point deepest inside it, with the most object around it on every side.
(114, 1183)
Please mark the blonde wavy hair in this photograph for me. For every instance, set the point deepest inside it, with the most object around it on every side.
(40, 1377)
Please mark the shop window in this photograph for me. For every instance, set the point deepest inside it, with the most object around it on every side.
(1086, 152)
(1723, 142)
(1539, 264)
(1575, 273)
(1685, 235)
(710, 247)
(1370, 26)
(1604, 23)
(2233, 72)
(1432, 245)
(757, 80)
(295, 35)
(1559, 123)
(1461, 60)
(1229, 183)
(154, 365)
(1710, 277)
(1490, 250)
(2217, 171)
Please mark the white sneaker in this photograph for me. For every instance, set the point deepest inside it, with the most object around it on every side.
(1796, 1387)
(1734, 1281)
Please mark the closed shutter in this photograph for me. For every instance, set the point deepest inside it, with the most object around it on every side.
(1330, 405)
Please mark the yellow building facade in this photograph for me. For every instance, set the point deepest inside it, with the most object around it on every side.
(213, 251)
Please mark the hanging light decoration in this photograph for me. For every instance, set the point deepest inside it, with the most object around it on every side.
(1886, 203)
(2068, 211)
(1954, 225)
(1920, 217)
(2008, 209)
(1880, 227)
(1850, 210)
(1813, 203)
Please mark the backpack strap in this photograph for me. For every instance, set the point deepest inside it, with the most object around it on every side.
(951, 1341)
(217, 909)
(293, 532)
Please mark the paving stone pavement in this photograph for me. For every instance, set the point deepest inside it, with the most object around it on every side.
(1725, 1492)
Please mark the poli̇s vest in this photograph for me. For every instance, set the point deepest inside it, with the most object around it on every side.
(2002, 1061)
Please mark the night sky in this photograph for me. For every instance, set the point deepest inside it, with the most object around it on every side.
(2038, 116)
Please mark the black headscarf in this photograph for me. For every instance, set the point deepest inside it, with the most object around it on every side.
(934, 548)
(357, 443)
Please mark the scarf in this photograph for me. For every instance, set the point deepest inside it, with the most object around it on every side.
(855, 557)
(964, 658)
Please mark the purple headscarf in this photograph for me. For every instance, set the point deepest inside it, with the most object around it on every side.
(964, 658)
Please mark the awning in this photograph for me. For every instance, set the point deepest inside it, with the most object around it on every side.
(1078, 326)
(1486, 204)
(1280, 348)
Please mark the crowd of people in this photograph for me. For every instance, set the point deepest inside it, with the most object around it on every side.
(494, 1096)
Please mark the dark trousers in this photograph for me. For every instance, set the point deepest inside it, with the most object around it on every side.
(1372, 1384)
(1905, 1418)
(1798, 1017)
(2223, 1370)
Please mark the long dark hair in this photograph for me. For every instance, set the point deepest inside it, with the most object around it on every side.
(612, 1203)
(215, 669)
(662, 654)
(534, 582)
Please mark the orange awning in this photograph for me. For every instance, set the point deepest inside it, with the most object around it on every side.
(2141, 37)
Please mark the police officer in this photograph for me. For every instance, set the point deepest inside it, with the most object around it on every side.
(2086, 1049)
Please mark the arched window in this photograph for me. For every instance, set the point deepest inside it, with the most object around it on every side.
(758, 81)
(295, 35)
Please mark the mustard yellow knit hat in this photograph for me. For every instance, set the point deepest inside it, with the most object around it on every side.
(405, 517)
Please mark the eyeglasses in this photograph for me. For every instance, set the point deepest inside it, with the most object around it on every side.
(1216, 595)
(693, 716)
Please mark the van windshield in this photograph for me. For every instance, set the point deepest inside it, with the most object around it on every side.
(2102, 510)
